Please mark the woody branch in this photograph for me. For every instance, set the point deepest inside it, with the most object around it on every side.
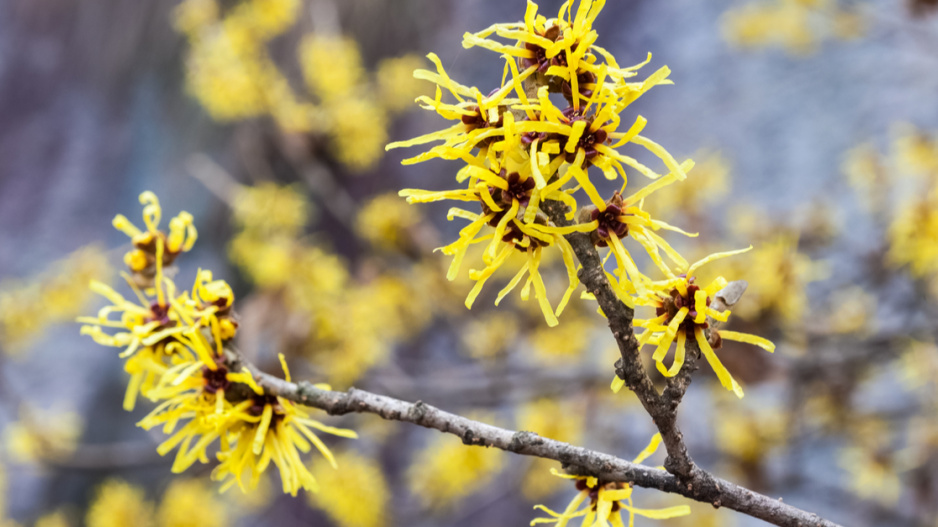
(700, 486)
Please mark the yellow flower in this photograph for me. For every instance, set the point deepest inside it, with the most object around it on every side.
(913, 236)
(562, 421)
(711, 172)
(58, 294)
(271, 429)
(253, 429)
(358, 131)
(42, 435)
(490, 335)
(501, 197)
(520, 149)
(852, 311)
(53, 519)
(385, 222)
(229, 73)
(191, 503)
(915, 151)
(154, 249)
(448, 471)
(396, 83)
(332, 66)
(193, 390)
(683, 311)
(562, 344)
(749, 434)
(269, 208)
(795, 25)
(620, 217)
(605, 501)
(867, 175)
(778, 275)
(191, 16)
(918, 364)
(872, 474)
(356, 496)
(150, 331)
(562, 47)
(119, 504)
(267, 261)
(266, 18)
(771, 24)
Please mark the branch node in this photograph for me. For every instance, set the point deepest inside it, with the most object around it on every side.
(418, 411)
(520, 440)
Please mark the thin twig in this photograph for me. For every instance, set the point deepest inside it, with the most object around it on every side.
(716, 491)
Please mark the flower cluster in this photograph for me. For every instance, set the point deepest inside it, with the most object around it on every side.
(56, 295)
(174, 346)
(520, 150)
(524, 158)
(311, 283)
(798, 26)
(600, 503)
(901, 187)
(231, 72)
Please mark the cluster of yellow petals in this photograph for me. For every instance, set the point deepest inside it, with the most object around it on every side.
(683, 312)
(118, 503)
(356, 496)
(231, 72)
(521, 150)
(600, 504)
(42, 435)
(174, 346)
(798, 26)
(350, 323)
(447, 471)
(57, 294)
(902, 187)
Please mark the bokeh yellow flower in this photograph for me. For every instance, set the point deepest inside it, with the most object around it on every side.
(53, 519)
(385, 221)
(332, 66)
(57, 295)
(191, 503)
(356, 496)
(396, 83)
(268, 208)
(118, 504)
(447, 471)
(563, 421)
(42, 435)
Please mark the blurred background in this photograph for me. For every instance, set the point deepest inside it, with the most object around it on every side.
(814, 124)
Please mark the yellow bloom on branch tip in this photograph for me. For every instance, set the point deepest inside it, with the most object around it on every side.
(600, 504)
(682, 312)
(154, 249)
(522, 151)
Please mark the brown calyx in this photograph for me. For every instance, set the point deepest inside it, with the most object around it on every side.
(519, 190)
(608, 221)
(676, 301)
(540, 59)
(588, 141)
(216, 379)
(593, 491)
(514, 234)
